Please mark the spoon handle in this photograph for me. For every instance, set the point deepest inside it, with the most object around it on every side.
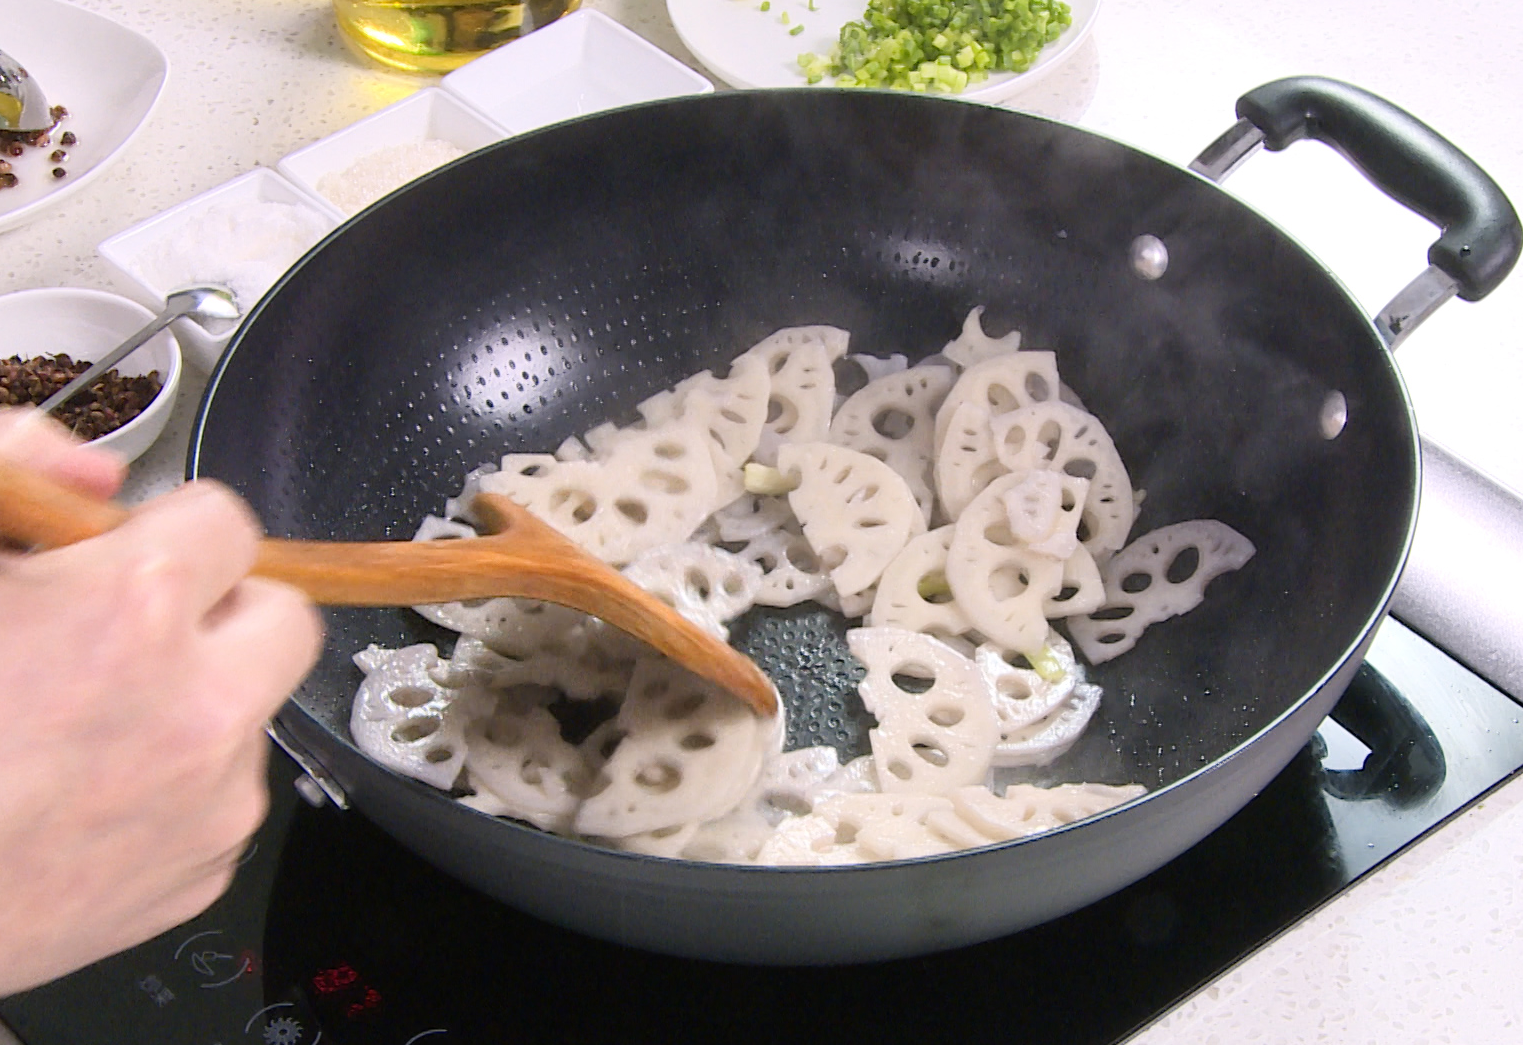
(523, 556)
(110, 359)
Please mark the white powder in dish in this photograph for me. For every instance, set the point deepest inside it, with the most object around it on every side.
(244, 246)
(370, 177)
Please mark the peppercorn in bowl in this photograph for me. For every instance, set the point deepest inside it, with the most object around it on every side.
(50, 335)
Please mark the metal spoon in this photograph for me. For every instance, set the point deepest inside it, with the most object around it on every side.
(23, 106)
(205, 301)
(522, 556)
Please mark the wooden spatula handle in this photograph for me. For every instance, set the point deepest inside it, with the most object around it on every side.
(523, 557)
(41, 513)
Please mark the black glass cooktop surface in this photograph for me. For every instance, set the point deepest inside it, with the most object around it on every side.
(333, 933)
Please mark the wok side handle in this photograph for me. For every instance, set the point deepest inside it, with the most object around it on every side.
(1406, 159)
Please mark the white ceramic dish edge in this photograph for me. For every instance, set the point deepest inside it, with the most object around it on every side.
(582, 63)
(747, 48)
(109, 101)
(429, 113)
(122, 251)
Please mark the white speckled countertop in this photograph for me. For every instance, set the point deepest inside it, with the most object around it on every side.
(1430, 947)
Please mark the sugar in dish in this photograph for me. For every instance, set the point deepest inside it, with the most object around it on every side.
(375, 174)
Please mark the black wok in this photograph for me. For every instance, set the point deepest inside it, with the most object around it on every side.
(544, 285)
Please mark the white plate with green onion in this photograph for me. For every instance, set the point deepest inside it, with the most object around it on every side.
(757, 43)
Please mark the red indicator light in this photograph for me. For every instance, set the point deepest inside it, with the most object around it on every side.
(371, 1001)
(328, 981)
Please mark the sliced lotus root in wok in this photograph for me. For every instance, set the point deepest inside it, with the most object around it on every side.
(665, 841)
(406, 721)
(1000, 385)
(507, 623)
(1025, 809)
(857, 777)
(1082, 589)
(965, 461)
(752, 515)
(517, 756)
(868, 368)
(1161, 574)
(1023, 696)
(460, 506)
(581, 667)
(857, 512)
(732, 409)
(802, 385)
(654, 488)
(973, 346)
(1043, 742)
(863, 827)
(913, 593)
(791, 572)
(1055, 436)
(1044, 509)
(788, 784)
(854, 606)
(438, 528)
(686, 752)
(809, 841)
(936, 723)
(894, 419)
(1000, 583)
(708, 586)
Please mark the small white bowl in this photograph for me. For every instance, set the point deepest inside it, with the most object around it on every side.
(86, 324)
(582, 63)
(429, 114)
(131, 252)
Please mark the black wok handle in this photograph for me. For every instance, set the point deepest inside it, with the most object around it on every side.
(1408, 161)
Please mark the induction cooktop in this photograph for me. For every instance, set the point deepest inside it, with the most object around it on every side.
(334, 933)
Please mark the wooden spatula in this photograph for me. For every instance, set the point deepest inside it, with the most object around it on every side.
(522, 556)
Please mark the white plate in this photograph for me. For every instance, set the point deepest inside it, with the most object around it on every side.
(107, 76)
(431, 113)
(747, 47)
(127, 250)
(582, 63)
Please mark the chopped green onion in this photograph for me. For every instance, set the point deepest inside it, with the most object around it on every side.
(767, 481)
(1047, 665)
(938, 45)
(766, 5)
(795, 30)
(933, 587)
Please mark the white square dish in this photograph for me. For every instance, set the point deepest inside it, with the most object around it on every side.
(430, 115)
(582, 63)
(148, 261)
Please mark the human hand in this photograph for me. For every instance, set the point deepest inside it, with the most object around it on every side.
(141, 668)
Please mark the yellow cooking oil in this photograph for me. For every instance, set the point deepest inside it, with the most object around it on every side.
(437, 36)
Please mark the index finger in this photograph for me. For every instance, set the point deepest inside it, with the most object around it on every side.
(31, 438)
(197, 541)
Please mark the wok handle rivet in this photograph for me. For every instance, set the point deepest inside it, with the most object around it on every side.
(1150, 258)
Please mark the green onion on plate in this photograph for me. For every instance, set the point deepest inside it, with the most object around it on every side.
(938, 45)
